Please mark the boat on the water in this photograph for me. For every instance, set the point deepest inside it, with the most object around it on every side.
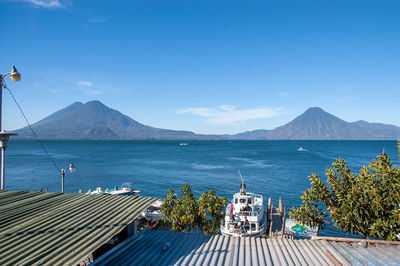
(245, 214)
(301, 149)
(97, 191)
(153, 214)
(124, 190)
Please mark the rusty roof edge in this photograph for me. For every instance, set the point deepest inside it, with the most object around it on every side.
(344, 239)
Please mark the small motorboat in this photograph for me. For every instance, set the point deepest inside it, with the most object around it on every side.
(183, 144)
(125, 190)
(301, 149)
(153, 214)
(97, 191)
(245, 214)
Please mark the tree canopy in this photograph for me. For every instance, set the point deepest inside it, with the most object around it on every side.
(186, 213)
(210, 208)
(367, 203)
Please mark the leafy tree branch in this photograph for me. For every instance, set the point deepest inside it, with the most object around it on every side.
(186, 213)
(367, 203)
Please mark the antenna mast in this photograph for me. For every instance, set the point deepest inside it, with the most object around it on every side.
(243, 185)
(241, 177)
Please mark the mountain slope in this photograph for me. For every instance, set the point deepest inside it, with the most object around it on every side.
(94, 120)
(316, 124)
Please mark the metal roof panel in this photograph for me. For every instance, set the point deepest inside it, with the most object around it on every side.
(197, 249)
(54, 228)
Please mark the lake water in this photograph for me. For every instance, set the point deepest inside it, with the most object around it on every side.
(270, 168)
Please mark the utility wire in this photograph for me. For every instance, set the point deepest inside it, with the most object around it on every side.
(33, 131)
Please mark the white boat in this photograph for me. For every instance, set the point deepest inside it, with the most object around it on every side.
(153, 213)
(183, 144)
(125, 190)
(301, 149)
(245, 214)
(97, 191)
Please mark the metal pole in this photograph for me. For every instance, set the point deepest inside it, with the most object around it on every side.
(4, 136)
(1, 96)
(62, 180)
(3, 168)
(3, 149)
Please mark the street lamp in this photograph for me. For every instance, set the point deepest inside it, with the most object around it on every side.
(72, 169)
(4, 136)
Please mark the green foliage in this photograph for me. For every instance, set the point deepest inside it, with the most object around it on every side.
(367, 203)
(210, 207)
(185, 213)
(398, 147)
(168, 203)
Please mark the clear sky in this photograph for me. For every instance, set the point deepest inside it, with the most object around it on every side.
(206, 66)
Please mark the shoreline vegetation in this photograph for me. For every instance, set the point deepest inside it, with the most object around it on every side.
(185, 213)
(365, 203)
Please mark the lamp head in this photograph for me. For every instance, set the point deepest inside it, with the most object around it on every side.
(72, 168)
(15, 76)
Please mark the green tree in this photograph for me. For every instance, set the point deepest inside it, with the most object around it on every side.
(185, 213)
(182, 212)
(367, 203)
(398, 147)
(168, 203)
(210, 211)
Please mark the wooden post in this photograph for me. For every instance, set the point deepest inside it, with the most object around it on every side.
(269, 204)
(270, 214)
(270, 229)
(283, 221)
(280, 206)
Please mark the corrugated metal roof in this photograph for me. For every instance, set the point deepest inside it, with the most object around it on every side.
(53, 228)
(173, 248)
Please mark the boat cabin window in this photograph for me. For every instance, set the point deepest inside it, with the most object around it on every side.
(236, 201)
(242, 200)
(249, 200)
(253, 227)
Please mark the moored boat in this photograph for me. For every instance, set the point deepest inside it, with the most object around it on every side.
(245, 214)
(124, 190)
(97, 191)
(153, 213)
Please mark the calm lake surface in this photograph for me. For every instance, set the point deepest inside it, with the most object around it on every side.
(270, 168)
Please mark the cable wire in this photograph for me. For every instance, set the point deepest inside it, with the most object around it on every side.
(33, 131)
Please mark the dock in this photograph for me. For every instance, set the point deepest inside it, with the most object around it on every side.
(64, 229)
(276, 219)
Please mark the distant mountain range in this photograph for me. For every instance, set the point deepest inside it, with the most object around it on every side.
(94, 120)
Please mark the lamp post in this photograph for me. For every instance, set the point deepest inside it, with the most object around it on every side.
(4, 136)
(72, 169)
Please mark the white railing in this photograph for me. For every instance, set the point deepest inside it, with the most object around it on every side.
(247, 213)
(232, 228)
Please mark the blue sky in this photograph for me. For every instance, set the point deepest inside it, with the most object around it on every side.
(205, 66)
